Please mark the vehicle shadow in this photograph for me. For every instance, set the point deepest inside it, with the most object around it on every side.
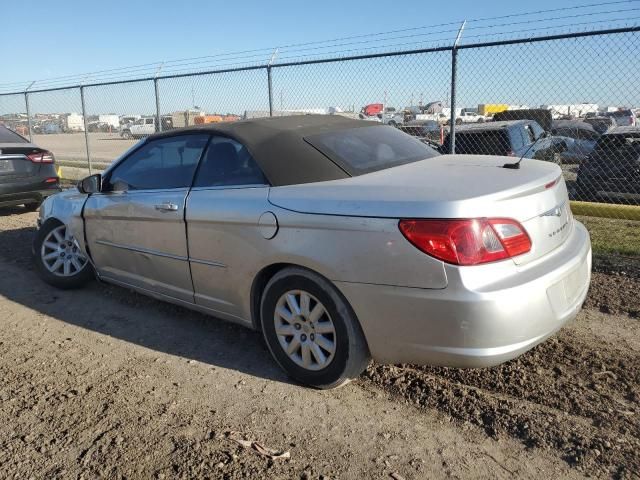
(129, 316)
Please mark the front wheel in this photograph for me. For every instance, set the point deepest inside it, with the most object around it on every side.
(58, 259)
(311, 330)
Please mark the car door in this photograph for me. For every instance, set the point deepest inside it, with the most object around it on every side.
(228, 225)
(135, 227)
(149, 126)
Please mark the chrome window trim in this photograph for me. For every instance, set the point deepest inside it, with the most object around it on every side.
(230, 187)
(146, 190)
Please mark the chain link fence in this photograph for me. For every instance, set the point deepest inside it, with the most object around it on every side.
(570, 99)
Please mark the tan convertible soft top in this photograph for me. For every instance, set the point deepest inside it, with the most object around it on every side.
(278, 145)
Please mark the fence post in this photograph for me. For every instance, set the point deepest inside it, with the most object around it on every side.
(270, 82)
(26, 104)
(86, 130)
(454, 70)
(270, 87)
(158, 117)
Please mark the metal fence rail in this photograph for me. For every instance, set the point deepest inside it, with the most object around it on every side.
(446, 95)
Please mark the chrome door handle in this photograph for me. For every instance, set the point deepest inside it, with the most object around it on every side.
(167, 207)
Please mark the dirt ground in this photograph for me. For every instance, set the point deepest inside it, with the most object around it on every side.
(103, 382)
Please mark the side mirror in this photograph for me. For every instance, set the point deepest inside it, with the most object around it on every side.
(90, 184)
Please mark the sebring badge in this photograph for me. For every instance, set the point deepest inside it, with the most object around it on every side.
(554, 212)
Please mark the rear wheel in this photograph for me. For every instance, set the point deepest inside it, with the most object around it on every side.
(127, 135)
(32, 207)
(311, 331)
(58, 259)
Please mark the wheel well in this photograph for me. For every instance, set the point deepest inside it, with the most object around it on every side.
(266, 274)
(261, 280)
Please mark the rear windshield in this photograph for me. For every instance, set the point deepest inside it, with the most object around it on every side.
(369, 149)
(617, 148)
(621, 113)
(7, 136)
(488, 142)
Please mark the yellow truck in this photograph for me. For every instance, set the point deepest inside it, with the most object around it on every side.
(488, 109)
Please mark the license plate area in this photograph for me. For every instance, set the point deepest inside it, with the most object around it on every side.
(564, 293)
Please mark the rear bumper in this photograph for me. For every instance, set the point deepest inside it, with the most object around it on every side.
(20, 192)
(485, 316)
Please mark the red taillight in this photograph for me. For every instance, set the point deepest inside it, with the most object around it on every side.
(468, 241)
(51, 180)
(41, 157)
(551, 184)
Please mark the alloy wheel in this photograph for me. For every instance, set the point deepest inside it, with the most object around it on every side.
(60, 253)
(305, 330)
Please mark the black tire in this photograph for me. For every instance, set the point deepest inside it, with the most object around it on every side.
(127, 135)
(32, 207)
(76, 280)
(351, 355)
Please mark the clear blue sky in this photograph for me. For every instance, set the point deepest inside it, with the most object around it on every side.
(46, 38)
(75, 37)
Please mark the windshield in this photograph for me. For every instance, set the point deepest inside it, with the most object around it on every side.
(7, 136)
(369, 149)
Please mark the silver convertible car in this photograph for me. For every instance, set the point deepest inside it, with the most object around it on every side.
(338, 239)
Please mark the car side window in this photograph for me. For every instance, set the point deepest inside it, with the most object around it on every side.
(530, 136)
(163, 163)
(537, 130)
(228, 163)
(517, 138)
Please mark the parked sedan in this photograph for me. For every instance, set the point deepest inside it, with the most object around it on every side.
(426, 130)
(27, 172)
(579, 137)
(514, 138)
(339, 239)
(623, 117)
(611, 173)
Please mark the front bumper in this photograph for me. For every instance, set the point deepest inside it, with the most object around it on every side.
(486, 315)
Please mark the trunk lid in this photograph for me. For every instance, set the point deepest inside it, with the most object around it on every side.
(448, 186)
(14, 163)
